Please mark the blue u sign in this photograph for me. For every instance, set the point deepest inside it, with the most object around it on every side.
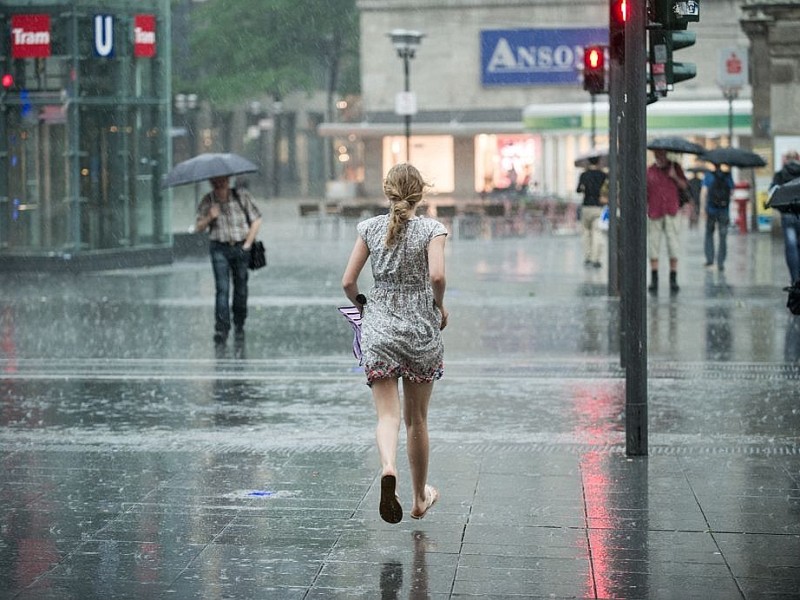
(104, 35)
(535, 56)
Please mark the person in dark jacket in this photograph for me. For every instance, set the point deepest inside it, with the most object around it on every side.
(590, 184)
(790, 220)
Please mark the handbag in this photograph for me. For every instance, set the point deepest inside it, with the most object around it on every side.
(258, 256)
(684, 196)
(258, 253)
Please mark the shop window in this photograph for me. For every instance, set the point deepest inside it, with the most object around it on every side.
(433, 155)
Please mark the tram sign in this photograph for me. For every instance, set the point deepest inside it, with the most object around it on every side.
(144, 36)
(30, 36)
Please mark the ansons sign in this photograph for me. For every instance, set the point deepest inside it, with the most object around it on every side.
(535, 56)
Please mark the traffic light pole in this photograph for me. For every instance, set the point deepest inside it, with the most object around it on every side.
(634, 208)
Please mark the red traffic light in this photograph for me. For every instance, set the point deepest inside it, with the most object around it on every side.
(617, 16)
(593, 58)
(8, 80)
(594, 69)
(619, 11)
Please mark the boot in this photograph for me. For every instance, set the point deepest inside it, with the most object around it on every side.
(653, 289)
(674, 288)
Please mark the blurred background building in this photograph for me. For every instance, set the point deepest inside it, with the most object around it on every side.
(83, 144)
(499, 100)
(98, 102)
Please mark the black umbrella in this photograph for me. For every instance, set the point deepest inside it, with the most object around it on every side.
(206, 166)
(735, 157)
(785, 197)
(601, 154)
(675, 144)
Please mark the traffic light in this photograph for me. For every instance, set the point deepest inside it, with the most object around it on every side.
(594, 69)
(675, 14)
(7, 81)
(667, 33)
(617, 16)
(659, 57)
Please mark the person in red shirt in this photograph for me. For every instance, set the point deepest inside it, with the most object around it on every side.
(664, 180)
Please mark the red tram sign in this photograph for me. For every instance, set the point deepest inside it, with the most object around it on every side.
(30, 36)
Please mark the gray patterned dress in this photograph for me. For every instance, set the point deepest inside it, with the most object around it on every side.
(400, 334)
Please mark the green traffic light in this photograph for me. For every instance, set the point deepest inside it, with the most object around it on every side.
(682, 39)
(683, 71)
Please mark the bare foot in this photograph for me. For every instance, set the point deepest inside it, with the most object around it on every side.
(431, 496)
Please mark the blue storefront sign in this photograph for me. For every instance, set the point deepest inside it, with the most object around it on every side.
(535, 56)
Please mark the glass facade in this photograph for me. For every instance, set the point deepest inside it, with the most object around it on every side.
(83, 133)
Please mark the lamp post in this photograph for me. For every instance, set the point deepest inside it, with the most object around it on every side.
(186, 105)
(406, 43)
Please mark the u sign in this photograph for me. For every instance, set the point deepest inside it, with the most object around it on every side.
(104, 35)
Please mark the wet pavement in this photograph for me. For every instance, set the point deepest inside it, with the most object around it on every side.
(138, 461)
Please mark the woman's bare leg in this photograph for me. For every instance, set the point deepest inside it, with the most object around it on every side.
(387, 406)
(416, 398)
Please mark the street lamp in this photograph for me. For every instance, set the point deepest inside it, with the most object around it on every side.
(406, 43)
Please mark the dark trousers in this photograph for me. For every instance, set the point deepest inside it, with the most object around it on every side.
(790, 222)
(722, 220)
(230, 265)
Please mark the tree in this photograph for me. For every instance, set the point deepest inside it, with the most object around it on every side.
(243, 49)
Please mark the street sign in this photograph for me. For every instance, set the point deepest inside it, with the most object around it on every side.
(405, 103)
(732, 67)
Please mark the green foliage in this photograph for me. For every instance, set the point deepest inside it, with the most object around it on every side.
(248, 48)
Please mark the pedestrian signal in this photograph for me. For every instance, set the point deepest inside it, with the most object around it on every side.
(594, 69)
(617, 17)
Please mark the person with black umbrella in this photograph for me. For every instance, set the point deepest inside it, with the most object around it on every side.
(233, 221)
(665, 179)
(790, 219)
(716, 197)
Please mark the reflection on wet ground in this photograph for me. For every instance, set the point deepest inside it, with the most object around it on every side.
(138, 461)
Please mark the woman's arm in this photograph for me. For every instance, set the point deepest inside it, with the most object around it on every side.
(437, 273)
(358, 258)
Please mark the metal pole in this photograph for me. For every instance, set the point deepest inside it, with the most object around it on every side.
(730, 95)
(635, 222)
(594, 119)
(407, 73)
(615, 89)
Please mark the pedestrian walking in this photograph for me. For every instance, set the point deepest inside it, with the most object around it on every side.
(665, 179)
(716, 197)
(790, 219)
(225, 213)
(402, 319)
(590, 184)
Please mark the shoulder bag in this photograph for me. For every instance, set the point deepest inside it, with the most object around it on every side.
(258, 253)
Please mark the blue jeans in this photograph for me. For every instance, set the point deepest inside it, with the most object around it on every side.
(229, 264)
(790, 222)
(713, 219)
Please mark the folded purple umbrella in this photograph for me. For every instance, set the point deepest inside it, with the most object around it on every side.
(353, 316)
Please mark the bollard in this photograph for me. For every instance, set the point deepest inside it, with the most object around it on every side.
(741, 195)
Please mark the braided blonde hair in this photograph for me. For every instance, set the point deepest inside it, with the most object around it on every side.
(404, 187)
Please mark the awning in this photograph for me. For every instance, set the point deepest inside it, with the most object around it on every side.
(690, 117)
(663, 117)
(454, 128)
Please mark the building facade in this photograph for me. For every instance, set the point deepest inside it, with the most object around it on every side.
(84, 142)
(499, 98)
